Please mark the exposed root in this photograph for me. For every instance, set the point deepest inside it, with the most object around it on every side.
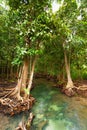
(11, 102)
(8, 92)
(69, 91)
(81, 90)
(11, 106)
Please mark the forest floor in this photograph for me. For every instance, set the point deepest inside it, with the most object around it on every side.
(81, 85)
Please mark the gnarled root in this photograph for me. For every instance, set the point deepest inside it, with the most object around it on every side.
(11, 106)
(69, 89)
(69, 92)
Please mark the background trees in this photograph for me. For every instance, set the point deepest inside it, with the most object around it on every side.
(7, 42)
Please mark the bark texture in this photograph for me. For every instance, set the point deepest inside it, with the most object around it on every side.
(32, 74)
(23, 76)
(69, 87)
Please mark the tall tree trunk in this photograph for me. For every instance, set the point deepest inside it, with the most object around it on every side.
(68, 89)
(67, 65)
(23, 76)
(18, 87)
(70, 84)
(31, 75)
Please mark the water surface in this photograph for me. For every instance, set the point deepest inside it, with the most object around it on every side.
(52, 110)
(55, 111)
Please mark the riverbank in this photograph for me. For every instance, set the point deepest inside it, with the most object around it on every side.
(10, 104)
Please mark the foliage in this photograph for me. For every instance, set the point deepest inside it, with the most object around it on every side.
(30, 28)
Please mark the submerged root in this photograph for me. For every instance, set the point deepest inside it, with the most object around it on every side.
(27, 125)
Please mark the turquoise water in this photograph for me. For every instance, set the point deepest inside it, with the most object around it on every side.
(55, 111)
(52, 110)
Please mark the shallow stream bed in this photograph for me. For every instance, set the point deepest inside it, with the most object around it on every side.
(52, 110)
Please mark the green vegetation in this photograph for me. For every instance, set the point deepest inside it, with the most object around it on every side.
(34, 38)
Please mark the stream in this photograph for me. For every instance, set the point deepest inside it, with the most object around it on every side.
(52, 110)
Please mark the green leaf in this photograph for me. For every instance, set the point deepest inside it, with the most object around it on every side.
(26, 91)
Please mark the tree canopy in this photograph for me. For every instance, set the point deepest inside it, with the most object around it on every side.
(31, 28)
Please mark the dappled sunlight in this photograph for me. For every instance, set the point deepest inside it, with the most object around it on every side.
(56, 5)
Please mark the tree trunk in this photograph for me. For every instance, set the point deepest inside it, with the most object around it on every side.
(18, 87)
(31, 74)
(67, 65)
(23, 76)
(68, 90)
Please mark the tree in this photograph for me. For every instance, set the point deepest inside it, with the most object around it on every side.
(65, 22)
(31, 32)
(7, 38)
(34, 32)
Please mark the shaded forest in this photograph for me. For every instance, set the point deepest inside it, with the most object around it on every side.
(41, 39)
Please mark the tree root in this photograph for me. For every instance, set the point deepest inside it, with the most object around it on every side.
(82, 88)
(27, 125)
(8, 92)
(68, 91)
(11, 106)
